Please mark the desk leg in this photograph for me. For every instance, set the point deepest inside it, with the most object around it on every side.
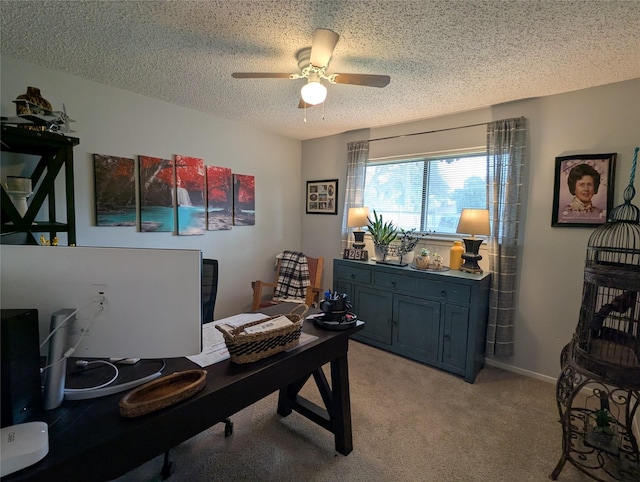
(287, 396)
(341, 409)
(337, 416)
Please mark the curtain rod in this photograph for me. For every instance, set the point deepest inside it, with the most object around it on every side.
(428, 132)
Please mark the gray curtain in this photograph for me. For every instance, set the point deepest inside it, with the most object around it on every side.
(505, 153)
(358, 153)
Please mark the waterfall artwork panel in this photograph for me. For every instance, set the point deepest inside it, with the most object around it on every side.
(115, 190)
(219, 198)
(189, 195)
(244, 200)
(157, 207)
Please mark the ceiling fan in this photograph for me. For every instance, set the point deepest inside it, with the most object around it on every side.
(313, 62)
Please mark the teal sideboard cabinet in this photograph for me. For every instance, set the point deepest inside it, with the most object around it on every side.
(434, 317)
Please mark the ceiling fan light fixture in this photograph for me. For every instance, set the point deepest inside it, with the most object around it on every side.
(313, 93)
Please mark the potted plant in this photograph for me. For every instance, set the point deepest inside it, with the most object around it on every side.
(382, 233)
(437, 261)
(408, 241)
(423, 260)
(601, 434)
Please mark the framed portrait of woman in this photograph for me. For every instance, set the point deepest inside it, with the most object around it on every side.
(583, 190)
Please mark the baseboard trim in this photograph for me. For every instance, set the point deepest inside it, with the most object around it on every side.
(520, 371)
(548, 379)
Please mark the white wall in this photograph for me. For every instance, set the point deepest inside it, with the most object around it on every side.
(326, 158)
(597, 120)
(116, 122)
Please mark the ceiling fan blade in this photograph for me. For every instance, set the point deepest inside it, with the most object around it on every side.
(324, 41)
(260, 75)
(367, 80)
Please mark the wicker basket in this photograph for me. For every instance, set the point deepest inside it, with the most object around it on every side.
(162, 392)
(245, 348)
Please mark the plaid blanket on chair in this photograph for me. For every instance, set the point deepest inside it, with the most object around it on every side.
(293, 277)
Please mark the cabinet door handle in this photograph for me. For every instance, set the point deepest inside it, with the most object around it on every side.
(353, 276)
(393, 284)
(443, 293)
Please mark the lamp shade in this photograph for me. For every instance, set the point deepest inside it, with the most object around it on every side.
(474, 221)
(313, 92)
(358, 217)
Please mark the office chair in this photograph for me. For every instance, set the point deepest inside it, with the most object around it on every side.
(209, 288)
(209, 294)
(313, 290)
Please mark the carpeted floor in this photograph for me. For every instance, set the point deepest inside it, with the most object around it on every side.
(411, 422)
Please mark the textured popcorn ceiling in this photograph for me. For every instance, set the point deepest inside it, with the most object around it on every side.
(443, 56)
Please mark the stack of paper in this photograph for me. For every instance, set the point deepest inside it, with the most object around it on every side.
(268, 325)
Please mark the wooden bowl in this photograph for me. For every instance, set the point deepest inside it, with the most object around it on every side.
(162, 392)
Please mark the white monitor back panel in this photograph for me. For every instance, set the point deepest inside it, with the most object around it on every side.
(152, 307)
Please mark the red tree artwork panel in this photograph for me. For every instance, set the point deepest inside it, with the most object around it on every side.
(189, 195)
(244, 200)
(157, 207)
(115, 190)
(219, 198)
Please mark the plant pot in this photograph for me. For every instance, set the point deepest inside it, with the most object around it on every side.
(381, 251)
(606, 442)
(407, 257)
(422, 262)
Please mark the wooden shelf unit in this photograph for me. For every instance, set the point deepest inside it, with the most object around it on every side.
(55, 152)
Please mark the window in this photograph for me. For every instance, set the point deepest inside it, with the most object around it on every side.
(427, 193)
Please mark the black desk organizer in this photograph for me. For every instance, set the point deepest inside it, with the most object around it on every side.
(336, 313)
(349, 320)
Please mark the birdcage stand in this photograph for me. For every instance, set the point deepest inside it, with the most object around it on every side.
(581, 395)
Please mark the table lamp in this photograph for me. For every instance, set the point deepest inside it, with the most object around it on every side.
(473, 221)
(357, 218)
(19, 189)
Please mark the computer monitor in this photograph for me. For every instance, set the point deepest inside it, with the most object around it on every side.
(152, 306)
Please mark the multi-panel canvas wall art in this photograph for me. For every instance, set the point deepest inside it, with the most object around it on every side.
(190, 195)
(115, 190)
(219, 198)
(182, 195)
(157, 211)
(244, 200)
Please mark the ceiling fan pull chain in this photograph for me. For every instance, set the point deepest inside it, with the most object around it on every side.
(305, 112)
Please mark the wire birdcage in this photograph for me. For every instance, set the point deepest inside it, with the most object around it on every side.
(607, 338)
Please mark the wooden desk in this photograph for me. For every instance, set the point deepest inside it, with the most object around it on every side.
(89, 440)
